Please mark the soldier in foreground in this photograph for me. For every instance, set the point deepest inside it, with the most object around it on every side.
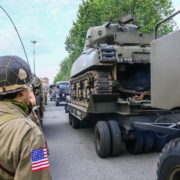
(23, 154)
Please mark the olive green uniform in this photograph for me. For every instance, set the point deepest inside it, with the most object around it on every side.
(19, 136)
(38, 92)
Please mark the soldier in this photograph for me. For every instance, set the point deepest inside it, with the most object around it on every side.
(23, 153)
(38, 92)
(45, 93)
(35, 115)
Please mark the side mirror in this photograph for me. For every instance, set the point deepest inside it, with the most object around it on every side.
(164, 20)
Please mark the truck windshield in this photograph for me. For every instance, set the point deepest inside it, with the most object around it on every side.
(64, 86)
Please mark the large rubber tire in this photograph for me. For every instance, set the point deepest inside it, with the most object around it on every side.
(75, 122)
(135, 146)
(102, 139)
(159, 143)
(116, 138)
(148, 142)
(70, 119)
(57, 102)
(169, 161)
(41, 123)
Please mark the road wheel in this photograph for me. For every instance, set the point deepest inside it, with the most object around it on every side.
(102, 139)
(135, 146)
(70, 119)
(169, 161)
(116, 139)
(75, 122)
(148, 142)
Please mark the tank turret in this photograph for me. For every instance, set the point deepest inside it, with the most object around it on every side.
(120, 33)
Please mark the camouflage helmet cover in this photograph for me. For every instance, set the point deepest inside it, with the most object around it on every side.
(15, 74)
(36, 82)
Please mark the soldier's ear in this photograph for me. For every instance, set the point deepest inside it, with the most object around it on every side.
(22, 93)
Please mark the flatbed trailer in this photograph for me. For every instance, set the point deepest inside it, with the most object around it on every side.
(142, 130)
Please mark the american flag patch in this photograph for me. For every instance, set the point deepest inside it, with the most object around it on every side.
(39, 159)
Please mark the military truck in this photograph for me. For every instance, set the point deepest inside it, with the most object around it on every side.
(110, 87)
(62, 90)
(165, 63)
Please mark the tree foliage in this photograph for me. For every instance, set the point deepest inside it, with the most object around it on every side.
(96, 12)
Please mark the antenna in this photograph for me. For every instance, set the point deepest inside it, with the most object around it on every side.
(16, 32)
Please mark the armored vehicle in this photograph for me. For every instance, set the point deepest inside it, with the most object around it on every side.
(110, 87)
(62, 90)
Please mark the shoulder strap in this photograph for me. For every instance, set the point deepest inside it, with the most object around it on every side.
(6, 117)
(7, 171)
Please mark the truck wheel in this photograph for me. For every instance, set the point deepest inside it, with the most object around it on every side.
(169, 161)
(41, 123)
(135, 146)
(66, 108)
(57, 102)
(148, 142)
(75, 122)
(70, 119)
(160, 143)
(116, 139)
(102, 139)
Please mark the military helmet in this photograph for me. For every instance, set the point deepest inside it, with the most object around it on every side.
(15, 74)
(36, 82)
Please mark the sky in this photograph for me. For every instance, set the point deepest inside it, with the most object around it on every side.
(46, 21)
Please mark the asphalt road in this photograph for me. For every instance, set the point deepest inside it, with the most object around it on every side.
(73, 156)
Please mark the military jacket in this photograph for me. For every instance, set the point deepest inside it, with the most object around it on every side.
(21, 142)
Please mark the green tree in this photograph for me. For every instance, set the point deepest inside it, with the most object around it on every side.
(96, 12)
(64, 72)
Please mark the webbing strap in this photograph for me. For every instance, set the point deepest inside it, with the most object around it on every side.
(7, 171)
(12, 87)
(7, 117)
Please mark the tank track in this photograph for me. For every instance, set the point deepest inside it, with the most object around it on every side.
(92, 82)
